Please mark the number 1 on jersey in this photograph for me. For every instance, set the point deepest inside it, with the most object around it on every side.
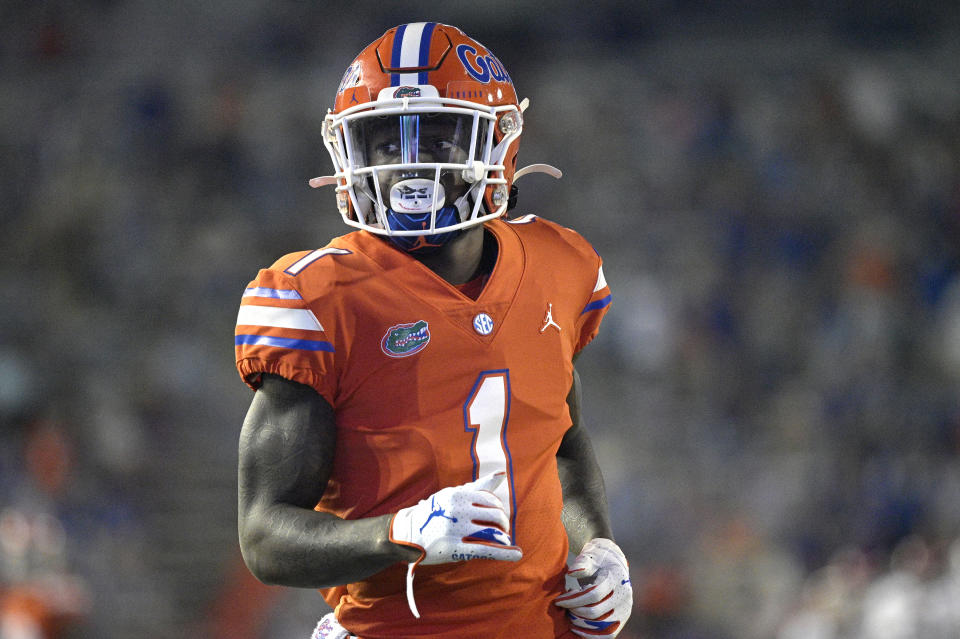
(485, 414)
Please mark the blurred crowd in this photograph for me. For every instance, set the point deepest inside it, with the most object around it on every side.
(773, 396)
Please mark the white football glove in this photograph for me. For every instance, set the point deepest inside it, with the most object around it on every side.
(599, 597)
(329, 628)
(456, 524)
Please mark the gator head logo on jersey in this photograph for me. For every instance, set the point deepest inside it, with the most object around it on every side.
(404, 340)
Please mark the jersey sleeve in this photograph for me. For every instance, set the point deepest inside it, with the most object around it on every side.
(278, 332)
(597, 305)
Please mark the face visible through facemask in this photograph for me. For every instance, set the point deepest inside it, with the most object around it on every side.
(431, 138)
(419, 146)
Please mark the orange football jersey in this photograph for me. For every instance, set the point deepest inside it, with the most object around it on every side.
(433, 389)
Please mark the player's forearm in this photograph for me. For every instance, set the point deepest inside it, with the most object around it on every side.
(585, 514)
(286, 455)
(291, 546)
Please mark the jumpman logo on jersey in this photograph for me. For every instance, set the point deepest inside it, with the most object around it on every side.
(548, 320)
(436, 512)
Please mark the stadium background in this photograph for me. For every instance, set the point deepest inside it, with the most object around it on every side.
(775, 188)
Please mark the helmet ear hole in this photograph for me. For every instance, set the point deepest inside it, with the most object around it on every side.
(512, 202)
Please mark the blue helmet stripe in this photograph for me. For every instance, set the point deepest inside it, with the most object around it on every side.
(425, 39)
(395, 54)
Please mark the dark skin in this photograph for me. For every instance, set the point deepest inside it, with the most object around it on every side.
(286, 456)
(466, 256)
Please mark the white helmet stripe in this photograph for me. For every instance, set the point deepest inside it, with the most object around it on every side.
(411, 50)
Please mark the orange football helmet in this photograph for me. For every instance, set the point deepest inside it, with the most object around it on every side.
(424, 136)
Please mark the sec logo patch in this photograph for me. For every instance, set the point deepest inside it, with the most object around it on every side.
(483, 324)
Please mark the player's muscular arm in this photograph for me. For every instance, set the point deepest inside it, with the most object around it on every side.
(585, 513)
(286, 455)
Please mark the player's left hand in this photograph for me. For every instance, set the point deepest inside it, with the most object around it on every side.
(599, 597)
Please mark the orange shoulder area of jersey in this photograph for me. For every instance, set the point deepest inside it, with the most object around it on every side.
(538, 231)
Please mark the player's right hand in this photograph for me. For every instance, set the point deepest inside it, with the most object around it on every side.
(458, 524)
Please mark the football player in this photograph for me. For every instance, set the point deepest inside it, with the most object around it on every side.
(414, 446)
